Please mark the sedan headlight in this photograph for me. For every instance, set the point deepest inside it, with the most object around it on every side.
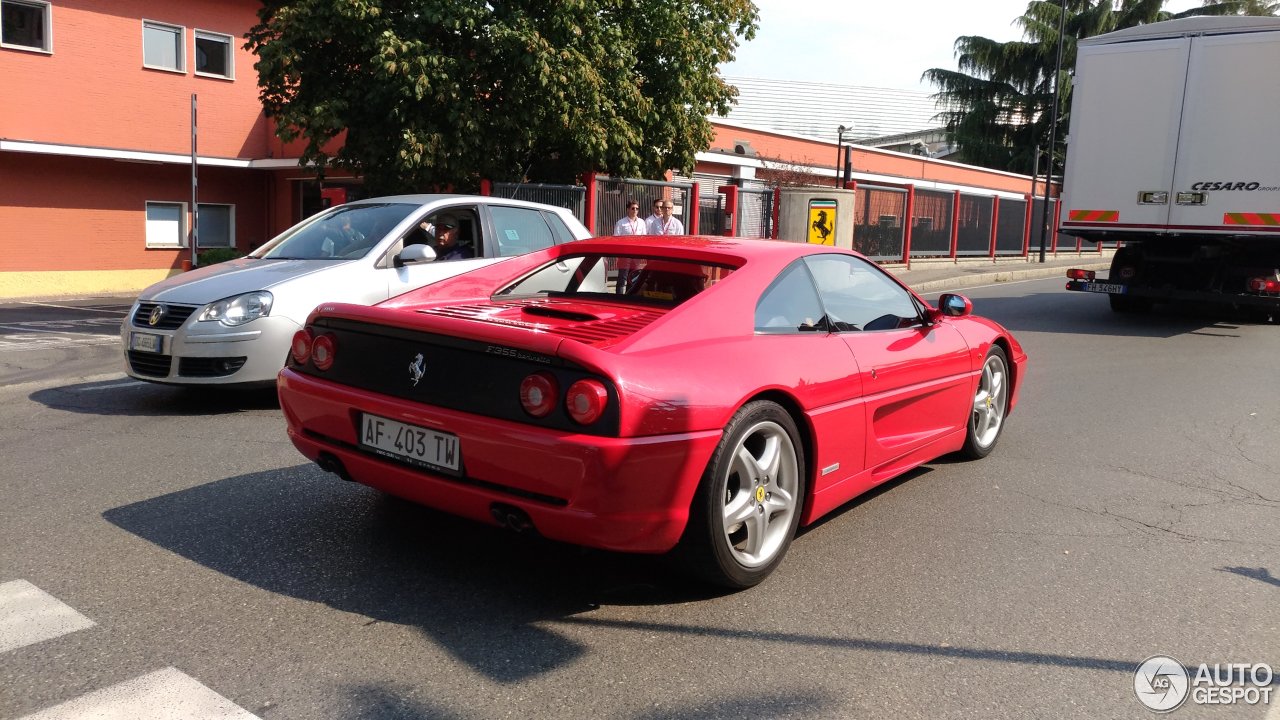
(238, 310)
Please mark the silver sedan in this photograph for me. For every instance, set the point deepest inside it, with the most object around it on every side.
(232, 323)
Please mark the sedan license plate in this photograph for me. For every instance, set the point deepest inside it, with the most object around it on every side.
(410, 444)
(146, 342)
(1109, 288)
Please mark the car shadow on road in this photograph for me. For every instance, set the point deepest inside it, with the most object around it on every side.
(1260, 574)
(1092, 316)
(135, 398)
(498, 602)
(477, 590)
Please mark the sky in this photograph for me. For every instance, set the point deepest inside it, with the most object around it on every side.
(881, 43)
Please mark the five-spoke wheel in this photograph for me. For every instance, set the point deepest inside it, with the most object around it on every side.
(748, 505)
(990, 403)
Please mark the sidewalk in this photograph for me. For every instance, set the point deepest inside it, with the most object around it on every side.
(923, 276)
(929, 276)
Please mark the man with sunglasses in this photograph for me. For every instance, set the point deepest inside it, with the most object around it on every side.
(666, 223)
(631, 224)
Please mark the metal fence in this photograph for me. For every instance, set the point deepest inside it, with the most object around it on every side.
(973, 236)
(755, 213)
(612, 195)
(1010, 226)
(710, 212)
(931, 223)
(1038, 226)
(570, 197)
(879, 222)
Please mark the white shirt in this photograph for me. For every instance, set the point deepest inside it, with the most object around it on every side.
(669, 226)
(627, 226)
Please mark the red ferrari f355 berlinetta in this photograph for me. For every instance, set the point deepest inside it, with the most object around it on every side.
(700, 395)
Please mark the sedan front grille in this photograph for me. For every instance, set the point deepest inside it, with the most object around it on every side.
(171, 317)
(150, 364)
(209, 367)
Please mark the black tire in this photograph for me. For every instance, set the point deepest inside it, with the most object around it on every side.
(766, 491)
(1125, 303)
(990, 405)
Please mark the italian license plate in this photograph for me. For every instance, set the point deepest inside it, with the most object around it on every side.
(146, 342)
(410, 444)
(1110, 288)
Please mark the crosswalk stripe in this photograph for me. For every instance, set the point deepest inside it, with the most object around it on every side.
(30, 615)
(168, 694)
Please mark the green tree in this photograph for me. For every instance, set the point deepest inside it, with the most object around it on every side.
(996, 106)
(440, 93)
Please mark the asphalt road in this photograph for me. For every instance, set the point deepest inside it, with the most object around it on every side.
(1131, 509)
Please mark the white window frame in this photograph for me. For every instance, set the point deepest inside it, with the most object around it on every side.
(48, 26)
(182, 225)
(231, 226)
(197, 35)
(182, 46)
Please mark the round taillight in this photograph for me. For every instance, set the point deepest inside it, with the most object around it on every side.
(301, 348)
(586, 401)
(538, 394)
(322, 351)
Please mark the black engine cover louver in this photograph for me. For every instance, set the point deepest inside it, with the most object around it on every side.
(465, 375)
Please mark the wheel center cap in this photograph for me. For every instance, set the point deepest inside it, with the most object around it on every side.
(760, 493)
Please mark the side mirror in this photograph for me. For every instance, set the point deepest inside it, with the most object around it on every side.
(953, 305)
(415, 254)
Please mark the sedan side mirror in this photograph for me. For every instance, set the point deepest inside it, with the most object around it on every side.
(415, 254)
(953, 305)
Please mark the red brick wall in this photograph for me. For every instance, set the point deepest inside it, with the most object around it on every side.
(93, 90)
(62, 213)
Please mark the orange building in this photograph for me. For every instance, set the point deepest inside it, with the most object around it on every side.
(96, 131)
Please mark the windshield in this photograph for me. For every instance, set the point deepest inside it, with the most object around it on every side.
(346, 232)
(611, 277)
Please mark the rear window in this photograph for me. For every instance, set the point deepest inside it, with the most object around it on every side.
(654, 280)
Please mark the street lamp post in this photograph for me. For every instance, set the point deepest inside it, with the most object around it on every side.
(840, 131)
(1053, 128)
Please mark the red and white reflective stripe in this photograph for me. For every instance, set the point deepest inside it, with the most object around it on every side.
(1094, 215)
(1272, 219)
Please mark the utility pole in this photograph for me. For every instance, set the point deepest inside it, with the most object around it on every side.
(1053, 127)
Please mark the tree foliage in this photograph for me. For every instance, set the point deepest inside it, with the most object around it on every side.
(440, 93)
(996, 106)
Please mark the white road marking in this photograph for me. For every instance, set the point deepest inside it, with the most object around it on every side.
(75, 307)
(29, 615)
(167, 694)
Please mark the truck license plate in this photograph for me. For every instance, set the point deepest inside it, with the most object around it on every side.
(410, 444)
(1109, 288)
(146, 342)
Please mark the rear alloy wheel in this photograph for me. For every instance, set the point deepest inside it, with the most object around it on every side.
(748, 505)
(990, 405)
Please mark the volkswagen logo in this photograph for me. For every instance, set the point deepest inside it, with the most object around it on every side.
(157, 314)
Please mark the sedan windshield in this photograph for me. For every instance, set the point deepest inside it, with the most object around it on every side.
(609, 277)
(344, 233)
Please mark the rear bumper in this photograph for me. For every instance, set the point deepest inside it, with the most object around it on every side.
(627, 494)
(1174, 295)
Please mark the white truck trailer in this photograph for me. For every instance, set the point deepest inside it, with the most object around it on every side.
(1174, 149)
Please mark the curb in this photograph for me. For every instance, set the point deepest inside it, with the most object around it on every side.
(999, 276)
